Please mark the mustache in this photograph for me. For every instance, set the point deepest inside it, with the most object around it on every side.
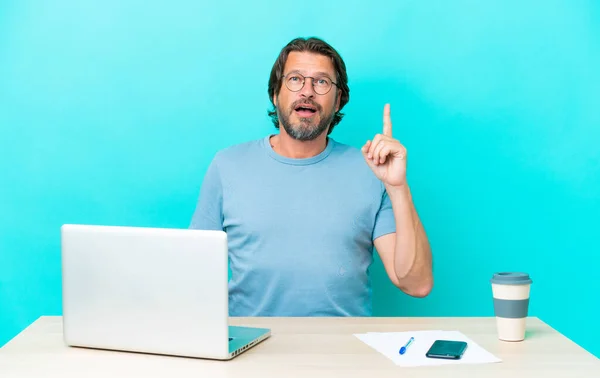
(306, 102)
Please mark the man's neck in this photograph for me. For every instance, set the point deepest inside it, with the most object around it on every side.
(286, 146)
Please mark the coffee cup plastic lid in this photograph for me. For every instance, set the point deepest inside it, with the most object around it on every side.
(511, 278)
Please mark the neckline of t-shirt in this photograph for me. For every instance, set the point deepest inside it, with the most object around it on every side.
(302, 161)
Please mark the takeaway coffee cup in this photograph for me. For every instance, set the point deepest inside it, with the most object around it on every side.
(511, 304)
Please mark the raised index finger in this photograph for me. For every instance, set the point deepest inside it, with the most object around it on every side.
(387, 120)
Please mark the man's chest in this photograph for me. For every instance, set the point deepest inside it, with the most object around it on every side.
(334, 207)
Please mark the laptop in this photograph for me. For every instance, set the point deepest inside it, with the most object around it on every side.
(150, 290)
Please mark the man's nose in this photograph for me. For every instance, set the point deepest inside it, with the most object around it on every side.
(308, 90)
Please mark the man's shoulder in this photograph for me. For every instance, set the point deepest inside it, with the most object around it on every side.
(242, 150)
(352, 160)
(346, 150)
(349, 154)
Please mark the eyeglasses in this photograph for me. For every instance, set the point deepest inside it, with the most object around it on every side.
(295, 82)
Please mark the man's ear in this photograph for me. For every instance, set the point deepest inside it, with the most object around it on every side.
(275, 100)
(337, 102)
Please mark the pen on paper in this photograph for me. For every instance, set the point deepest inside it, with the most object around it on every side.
(405, 347)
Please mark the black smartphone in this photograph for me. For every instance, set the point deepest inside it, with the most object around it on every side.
(447, 349)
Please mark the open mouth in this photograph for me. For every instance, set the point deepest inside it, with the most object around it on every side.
(305, 110)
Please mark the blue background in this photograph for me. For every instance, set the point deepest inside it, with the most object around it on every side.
(110, 112)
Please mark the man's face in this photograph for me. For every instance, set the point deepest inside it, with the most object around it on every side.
(306, 114)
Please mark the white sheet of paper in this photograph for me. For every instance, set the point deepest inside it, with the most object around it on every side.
(389, 344)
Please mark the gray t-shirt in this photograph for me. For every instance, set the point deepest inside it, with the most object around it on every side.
(300, 231)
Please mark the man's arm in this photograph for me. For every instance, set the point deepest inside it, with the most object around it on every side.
(406, 254)
(208, 214)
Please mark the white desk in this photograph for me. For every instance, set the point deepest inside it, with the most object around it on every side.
(304, 347)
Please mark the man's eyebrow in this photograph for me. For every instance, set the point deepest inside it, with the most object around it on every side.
(318, 73)
(322, 73)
